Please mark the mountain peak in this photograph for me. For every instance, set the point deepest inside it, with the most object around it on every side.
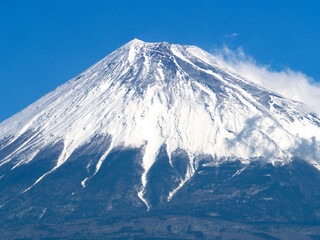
(151, 95)
(138, 45)
(135, 41)
(138, 41)
(164, 127)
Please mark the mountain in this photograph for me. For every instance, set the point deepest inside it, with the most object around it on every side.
(160, 140)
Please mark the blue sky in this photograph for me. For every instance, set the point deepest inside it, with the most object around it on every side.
(45, 43)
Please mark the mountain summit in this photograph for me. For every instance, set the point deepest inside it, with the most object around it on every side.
(138, 127)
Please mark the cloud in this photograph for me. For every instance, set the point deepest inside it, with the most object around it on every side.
(231, 35)
(289, 83)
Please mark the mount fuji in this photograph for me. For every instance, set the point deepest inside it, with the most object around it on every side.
(161, 140)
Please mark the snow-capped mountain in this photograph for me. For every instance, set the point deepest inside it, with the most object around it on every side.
(165, 100)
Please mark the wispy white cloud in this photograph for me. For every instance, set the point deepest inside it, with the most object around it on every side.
(287, 82)
(231, 35)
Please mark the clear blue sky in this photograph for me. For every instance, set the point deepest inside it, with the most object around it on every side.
(45, 43)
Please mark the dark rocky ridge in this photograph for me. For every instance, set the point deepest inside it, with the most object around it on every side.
(257, 197)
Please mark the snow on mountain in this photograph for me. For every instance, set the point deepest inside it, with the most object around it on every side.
(154, 94)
